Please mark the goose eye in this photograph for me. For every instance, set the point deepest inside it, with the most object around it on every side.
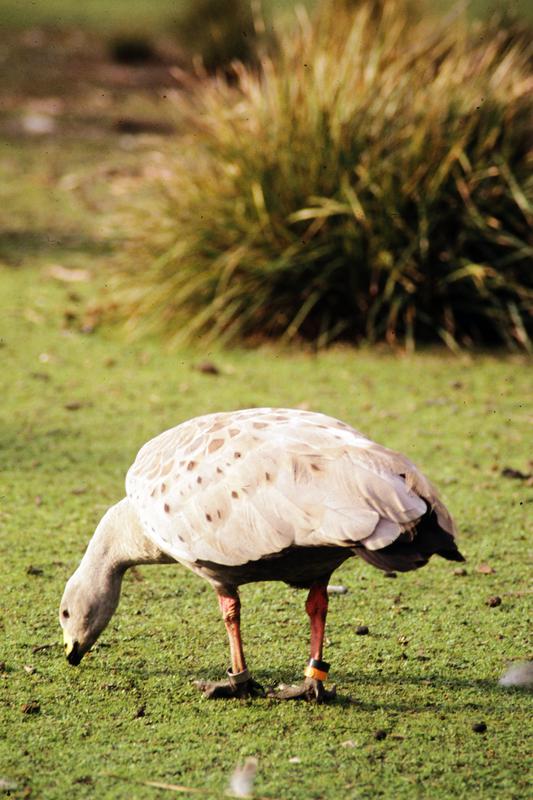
(66, 615)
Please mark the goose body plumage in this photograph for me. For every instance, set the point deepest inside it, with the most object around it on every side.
(237, 487)
(259, 494)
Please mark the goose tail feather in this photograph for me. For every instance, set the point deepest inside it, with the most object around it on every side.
(413, 549)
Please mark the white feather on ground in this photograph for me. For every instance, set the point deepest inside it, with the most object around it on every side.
(518, 674)
(242, 779)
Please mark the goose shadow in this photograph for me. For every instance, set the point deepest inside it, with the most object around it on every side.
(434, 685)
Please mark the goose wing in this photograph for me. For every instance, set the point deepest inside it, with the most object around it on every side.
(232, 488)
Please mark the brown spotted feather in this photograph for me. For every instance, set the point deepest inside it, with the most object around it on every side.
(233, 488)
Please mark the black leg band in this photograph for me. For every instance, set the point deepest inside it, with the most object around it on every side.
(323, 666)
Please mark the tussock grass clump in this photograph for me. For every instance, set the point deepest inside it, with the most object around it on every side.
(370, 182)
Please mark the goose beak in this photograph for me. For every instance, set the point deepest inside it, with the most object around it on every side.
(72, 650)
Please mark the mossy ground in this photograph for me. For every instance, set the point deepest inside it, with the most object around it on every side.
(75, 409)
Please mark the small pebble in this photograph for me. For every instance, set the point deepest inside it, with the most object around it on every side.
(380, 734)
(332, 589)
(510, 472)
(494, 601)
(460, 571)
(362, 630)
(208, 368)
(31, 708)
(295, 760)
(479, 727)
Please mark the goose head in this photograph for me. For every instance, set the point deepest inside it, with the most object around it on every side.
(89, 601)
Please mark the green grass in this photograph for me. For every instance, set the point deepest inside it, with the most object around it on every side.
(461, 419)
(93, 14)
(427, 671)
(155, 16)
(99, 15)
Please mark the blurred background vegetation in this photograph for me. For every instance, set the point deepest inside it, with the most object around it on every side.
(158, 15)
(344, 169)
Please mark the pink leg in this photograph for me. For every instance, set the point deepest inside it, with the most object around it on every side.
(316, 606)
(312, 689)
(231, 614)
(239, 682)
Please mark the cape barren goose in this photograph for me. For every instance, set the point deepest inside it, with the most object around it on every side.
(258, 495)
